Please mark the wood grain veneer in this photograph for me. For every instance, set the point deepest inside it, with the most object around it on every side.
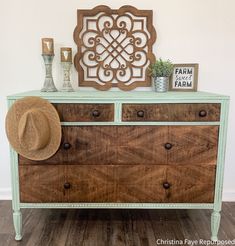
(135, 145)
(73, 112)
(117, 183)
(171, 112)
(193, 144)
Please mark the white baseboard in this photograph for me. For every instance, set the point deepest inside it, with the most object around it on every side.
(5, 194)
(228, 196)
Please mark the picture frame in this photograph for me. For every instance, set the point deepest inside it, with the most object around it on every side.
(184, 77)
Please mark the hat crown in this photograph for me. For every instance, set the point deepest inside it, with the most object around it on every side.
(33, 130)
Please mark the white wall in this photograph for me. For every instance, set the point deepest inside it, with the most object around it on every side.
(188, 31)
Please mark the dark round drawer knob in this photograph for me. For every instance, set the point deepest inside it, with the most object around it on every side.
(168, 146)
(202, 113)
(66, 146)
(166, 185)
(67, 185)
(96, 113)
(140, 113)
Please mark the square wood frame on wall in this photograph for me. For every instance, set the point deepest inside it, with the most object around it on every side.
(92, 65)
(195, 77)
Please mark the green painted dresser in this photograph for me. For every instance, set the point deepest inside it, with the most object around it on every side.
(128, 150)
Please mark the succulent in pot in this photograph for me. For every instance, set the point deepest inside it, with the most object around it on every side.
(161, 71)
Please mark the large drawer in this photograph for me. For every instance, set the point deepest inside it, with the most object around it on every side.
(151, 145)
(171, 112)
(121, 183)
(77, 112)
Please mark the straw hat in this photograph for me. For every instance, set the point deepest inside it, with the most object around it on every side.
(33, 128)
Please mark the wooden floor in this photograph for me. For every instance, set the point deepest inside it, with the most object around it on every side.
(112, 227)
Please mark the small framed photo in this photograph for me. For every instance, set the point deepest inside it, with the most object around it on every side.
(184, 77)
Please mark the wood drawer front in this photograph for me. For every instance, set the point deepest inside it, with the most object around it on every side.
(109, 145)
(193, 144)
(171, 112)
(91, 145)
(86, 145)
(121, 183)
(149, 145)
(195, 183)
(75, 112)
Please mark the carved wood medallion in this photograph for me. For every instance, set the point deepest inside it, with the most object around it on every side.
(114, 47)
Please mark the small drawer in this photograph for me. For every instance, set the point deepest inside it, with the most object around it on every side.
(171, 112)
(72, 112)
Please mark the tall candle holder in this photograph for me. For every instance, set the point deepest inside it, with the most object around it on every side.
(49, 85)
(48, 56)
(66, 63)
(67, 86)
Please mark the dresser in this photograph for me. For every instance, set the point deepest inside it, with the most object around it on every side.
(139, 150)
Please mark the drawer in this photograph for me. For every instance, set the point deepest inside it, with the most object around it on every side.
(155, 145)
(75, 112)
(171, 112)
(121, 183)
(151, 145)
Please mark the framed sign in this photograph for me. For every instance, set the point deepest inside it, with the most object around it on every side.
(184, 77)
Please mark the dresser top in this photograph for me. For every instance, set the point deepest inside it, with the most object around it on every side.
(115, 95)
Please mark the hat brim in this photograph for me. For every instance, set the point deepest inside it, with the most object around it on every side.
(12, 121)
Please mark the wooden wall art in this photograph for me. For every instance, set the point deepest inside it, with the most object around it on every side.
(114, 47)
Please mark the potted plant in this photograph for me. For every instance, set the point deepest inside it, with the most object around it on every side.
(161, 71)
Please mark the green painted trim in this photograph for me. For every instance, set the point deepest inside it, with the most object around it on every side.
(221, 155)
(17, 221)
(118, 113)
(17, 216)
(120, 205)
(137, 101)
(14, 179)
(152, 123)
(215, 223)
(14, 174)
(215, 216)
(120, 95)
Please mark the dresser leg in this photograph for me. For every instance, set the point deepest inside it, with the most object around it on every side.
(17, 220)
(215, 223)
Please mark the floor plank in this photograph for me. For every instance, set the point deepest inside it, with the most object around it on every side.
(106, 227)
